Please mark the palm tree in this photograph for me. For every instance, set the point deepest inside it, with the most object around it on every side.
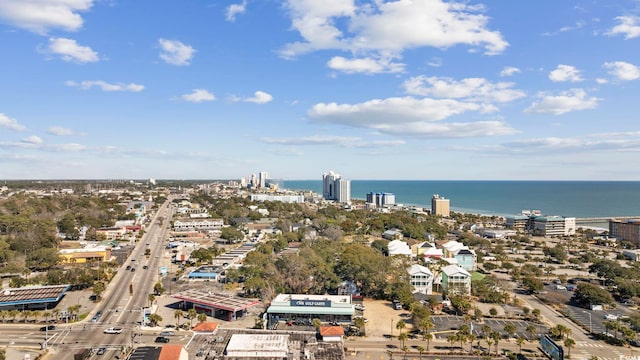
(452, 339)
(428, 336)
(46, 315)
(489, 341)
(462, 337)
(191, 314)
(471, 338)
(420, 350)
(178, 314)
(510, 329)
(520, 341)
(403, 337)
(202, 317)
(4, 314)
(151, 298)
(56, 314)
(24, 315)
(401, 325)
(569, 343)
(404, 350)
(495, 335)
(532, 330)
(155, 319)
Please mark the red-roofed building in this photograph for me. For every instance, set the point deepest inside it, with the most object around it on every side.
(331, 333)
(206, 327)
(173, 352)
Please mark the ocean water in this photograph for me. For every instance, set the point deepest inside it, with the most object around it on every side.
(582, 199)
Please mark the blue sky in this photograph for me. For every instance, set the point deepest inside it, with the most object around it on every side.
(405, 89)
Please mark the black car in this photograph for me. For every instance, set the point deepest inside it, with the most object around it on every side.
(128, 267)
(162, 339)
(101, 351)
(48, 327)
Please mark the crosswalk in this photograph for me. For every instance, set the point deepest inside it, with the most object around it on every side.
(581, 352)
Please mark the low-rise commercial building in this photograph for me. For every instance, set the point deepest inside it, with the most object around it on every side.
(287, 307)
(198, 225)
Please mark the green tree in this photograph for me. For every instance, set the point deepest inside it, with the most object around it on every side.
(155, 319)
(587, 294)
(151, 298)
(520, 341)
(510, 329)
(178, 314)
(202, 317)
(191, 314)
(403, 337)
(420, 350)
(569, 343)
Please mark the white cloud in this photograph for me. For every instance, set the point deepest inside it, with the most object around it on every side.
(342, 141)
(623, 70)
(40, 16)
(364, 65)
(176, 53)
(198, 95)
(60, 131)
(386, 29)
(601, 81)
(69, 50)
(235, 9)
(409, 116)
(259, 97)
(565, 73)
(629, 26)
(509, 71)
(33, 139)
(472, 89)
(435, 62)
(563, 102)
(105, 86)
(9, 123)
(629, 141)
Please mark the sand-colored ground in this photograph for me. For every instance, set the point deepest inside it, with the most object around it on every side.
(382, 318)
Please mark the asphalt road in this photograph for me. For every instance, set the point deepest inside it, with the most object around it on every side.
(120, 306)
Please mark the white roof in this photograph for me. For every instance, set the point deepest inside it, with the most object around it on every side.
(398, 247)
(419, 269)
(451, 270)
(433, 252)
(258, 342)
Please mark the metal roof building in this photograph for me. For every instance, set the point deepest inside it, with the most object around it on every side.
(32, 297)
(217, 305)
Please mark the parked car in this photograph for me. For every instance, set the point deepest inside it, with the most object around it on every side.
(561, 287)
(200, 352)
(101, 351)
(113, 330)
(358, 307)
(167, 333)
(162, 339)
(611, 317)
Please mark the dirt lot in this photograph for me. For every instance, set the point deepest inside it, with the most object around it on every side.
(382, 318)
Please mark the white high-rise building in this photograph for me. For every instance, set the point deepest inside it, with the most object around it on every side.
(334, 187)
(262, 179)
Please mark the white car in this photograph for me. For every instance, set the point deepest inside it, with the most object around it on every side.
(113, 330)
(611, 317)
(561, 287)
(358, 307)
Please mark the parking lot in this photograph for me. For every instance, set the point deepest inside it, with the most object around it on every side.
(446, 325)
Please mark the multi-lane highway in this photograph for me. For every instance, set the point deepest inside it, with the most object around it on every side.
(121, 305)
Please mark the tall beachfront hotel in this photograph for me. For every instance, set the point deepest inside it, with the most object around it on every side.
(334, 187)
(439, 206)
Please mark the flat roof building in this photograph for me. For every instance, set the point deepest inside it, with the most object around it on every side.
(286, 307)
(440, 206)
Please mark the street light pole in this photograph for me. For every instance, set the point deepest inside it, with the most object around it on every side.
(588, 313)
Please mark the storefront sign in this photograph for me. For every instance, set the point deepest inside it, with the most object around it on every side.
(313, 303)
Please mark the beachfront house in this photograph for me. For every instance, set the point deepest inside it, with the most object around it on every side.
(456, 280)
(421, 279)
